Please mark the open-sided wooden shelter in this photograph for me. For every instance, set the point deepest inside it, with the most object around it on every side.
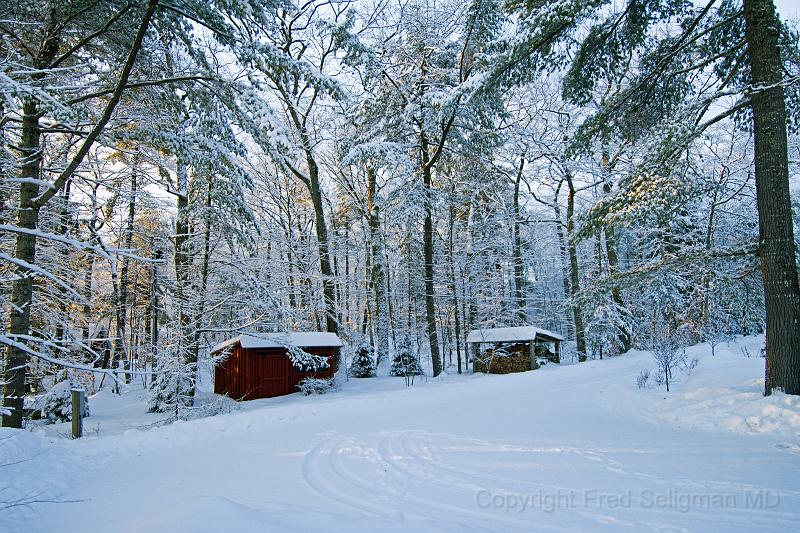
(514, 349)
(259, 365)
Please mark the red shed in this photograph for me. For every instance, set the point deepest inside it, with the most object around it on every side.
(259, 365)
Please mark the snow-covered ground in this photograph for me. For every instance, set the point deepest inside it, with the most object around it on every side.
(570, 448)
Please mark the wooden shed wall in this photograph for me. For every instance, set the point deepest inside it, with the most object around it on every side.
(265, 373)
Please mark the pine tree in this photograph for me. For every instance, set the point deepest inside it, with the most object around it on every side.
(363, 363)
(405, 362)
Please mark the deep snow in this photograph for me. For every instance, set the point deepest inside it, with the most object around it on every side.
(562, 448)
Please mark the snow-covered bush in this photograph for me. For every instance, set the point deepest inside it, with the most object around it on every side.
(173, 385)
(717, 329)
(205, 406)
(173, 389)
(57, 403)
(642, 379)
(405, 362)
(309, 386)
(363, 364)
(659, 377)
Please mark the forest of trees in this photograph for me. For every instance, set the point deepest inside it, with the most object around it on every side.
(175, 172)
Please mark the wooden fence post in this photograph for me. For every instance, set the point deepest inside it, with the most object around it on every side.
(78, 399)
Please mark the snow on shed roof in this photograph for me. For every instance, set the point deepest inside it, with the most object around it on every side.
(520, 333)
(301, 339)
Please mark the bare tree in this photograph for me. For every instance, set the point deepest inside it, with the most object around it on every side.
(668, 351)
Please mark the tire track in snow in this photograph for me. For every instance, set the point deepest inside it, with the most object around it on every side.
(414, 469)
(417, 444)
(329, 470)
(318, 471)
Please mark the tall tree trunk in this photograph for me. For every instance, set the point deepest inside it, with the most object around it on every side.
(199, 311)
(625, 338)
(776, 234)
(427, 245)
(87, 294)
(339, 293)
(22, 287)
(390, 306)
(182, 289)
(63, 228)
(519, 265)
(122, 305)
(154, 309)
(563, 247)
(470, 302)
(30, 151)
(574, 273)
(368, 315)
(4, 156)
(378, 271)
(133, 328)
(324, 246)
(709, 244)
(117, 345)
(453, 285)
(411, 309)
(93, 227)
(343, 290)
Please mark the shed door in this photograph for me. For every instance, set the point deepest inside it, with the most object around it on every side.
(272, 376)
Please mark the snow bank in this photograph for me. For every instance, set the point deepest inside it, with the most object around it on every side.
(28, 475)
(726, 393)
(741, 409)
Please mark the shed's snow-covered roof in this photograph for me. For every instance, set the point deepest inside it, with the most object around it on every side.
(301, 339)
(520, 333)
